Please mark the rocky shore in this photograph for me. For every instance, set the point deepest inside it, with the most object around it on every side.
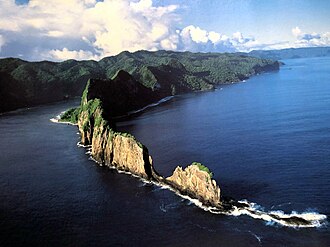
(95, 119)
(122, 150)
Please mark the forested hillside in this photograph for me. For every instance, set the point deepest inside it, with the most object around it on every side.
(25, 83)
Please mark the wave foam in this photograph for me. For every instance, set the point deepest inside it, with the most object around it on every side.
(163, 100)
(57, 118)
(293, 219)
(152, 105)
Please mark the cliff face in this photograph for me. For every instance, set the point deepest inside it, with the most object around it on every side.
(111, 148)
(123, 151)
(194, 182)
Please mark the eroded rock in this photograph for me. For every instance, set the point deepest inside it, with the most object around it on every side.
(124, 152)
(196, 183)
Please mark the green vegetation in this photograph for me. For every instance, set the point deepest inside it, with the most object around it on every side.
(25, 83)
(70, 115)
(90, 107)
(92, 113)
(203, 168)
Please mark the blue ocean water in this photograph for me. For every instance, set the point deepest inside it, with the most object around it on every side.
(266, 140)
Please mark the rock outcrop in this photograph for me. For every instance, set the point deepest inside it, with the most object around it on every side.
(111, 148)
(123, 151)
(196, 183)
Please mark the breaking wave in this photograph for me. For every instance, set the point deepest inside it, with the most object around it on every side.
(57, 118)
(152, 105)
(293, 219)
(163, 100)
(242, 207)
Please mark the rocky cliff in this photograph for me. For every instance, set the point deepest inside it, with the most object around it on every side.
(196, 182)
(124, 152)
(109, 147)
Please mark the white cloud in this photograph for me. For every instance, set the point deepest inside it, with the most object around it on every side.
(130, 26)
(2, 41)
(296, 31)
(65, 54)
(310, 39)
(103, 28)
(197, 39)
(195, 34)
(142, 5)
(83, 29)
(214, 37)
(55, 33)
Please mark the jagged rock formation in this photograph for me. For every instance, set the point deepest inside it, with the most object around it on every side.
(112, 148)
(123, 151)
(196, 183)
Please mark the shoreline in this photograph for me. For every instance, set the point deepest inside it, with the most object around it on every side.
(141, 110)
(226, 206)
(130, 113)
(57, 118)
(277, 217)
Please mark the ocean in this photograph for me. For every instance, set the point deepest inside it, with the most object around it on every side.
(266, 140)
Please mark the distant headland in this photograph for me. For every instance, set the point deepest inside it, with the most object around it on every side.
(163, 73)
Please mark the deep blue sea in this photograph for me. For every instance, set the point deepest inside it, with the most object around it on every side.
(267, 140)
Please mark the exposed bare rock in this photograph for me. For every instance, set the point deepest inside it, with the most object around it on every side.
(111, 148)
(123, 151)
(196, 183)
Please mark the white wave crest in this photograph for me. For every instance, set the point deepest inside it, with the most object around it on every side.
(163, 100)
(57, 118)
(79, 144)
(293, 219)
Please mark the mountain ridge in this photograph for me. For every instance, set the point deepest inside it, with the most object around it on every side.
(25, 84)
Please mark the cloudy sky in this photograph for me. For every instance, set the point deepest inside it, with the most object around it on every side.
(90, 29)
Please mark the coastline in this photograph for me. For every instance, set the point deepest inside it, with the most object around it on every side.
(308, 219)
(229, 207)
(57, 118)
(131, 113)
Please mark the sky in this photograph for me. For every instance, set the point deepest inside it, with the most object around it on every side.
(92, 29)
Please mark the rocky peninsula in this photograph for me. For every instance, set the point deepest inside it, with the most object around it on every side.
(104, 99)
(101, 103)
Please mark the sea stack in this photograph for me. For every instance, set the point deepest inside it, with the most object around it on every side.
(196, 181)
